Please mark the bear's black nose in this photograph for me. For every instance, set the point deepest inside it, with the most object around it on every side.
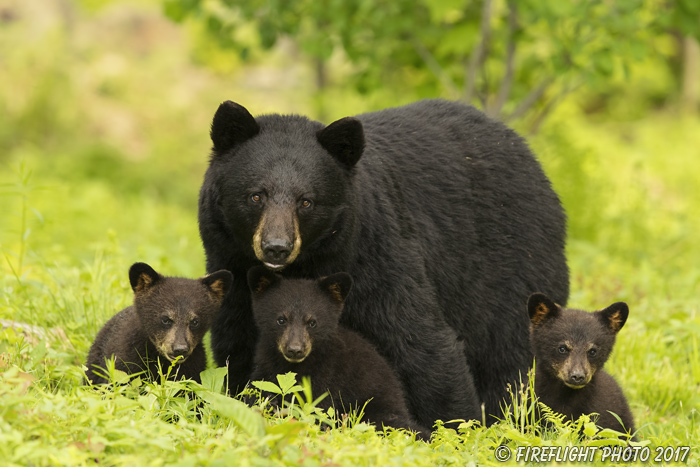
(294, 351)
(179, 351)
(276, 250)
(577, 378)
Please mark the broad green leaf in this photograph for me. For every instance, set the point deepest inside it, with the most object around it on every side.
(213, 379)
(243, 416)
(267, 386)
(287, 382)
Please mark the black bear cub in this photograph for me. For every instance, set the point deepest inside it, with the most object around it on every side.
(299, 332)
(168, 319)
(571, 347)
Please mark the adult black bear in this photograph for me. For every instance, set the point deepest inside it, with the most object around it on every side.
(297, 321)
(429, 207)
(571, 347)
(168, 319)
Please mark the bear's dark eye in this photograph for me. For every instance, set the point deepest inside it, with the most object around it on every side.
(592, 353)
(166, 321)
(281, 321)
(306, 203)
(563, 349)
(312, 323)
(194, 324)
(256, 197)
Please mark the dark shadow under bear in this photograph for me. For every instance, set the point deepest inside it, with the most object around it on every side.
(571, 347)
(298, 324)
(168, 319)
(428, 206)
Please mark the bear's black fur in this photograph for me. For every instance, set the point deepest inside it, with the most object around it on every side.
(429, 207)
(297, 321)
(169, 318)
(571, 347)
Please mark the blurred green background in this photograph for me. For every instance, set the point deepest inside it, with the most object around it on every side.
(105, 109)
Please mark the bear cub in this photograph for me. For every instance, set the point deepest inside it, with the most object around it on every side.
(168, 319)
(298, 322)
(570, 347)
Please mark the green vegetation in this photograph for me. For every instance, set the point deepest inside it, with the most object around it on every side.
(103, 145)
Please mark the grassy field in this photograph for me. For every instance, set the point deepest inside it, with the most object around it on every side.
(100, 166)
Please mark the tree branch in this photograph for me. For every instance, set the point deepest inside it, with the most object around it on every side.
(568, 89)
(530, 99)
(435, 68)
(476, 59)
(507, 81)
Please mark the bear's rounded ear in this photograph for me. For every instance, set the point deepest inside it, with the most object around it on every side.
(219, 282)
(142, 276)
(260, 279)
(540, 308)
(344, 139)
(232, 125)
(614, 316)
(337, 286)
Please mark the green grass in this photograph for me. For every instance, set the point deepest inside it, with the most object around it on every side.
(100, 166)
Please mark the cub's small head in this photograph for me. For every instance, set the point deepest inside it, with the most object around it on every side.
(569, 344)
(175, 312)
(297, 316)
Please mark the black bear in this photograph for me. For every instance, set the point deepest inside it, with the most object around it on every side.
(571, 346)
(168, 319)
(297, 321)
(428, 207)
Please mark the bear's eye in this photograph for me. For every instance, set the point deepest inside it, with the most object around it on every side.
(312, 323)
(306, 203)
(166, 321)
(194, 324)
(563, 349)
(256, 197)
(281, 321)
(592, 353)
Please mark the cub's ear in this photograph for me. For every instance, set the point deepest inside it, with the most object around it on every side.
(219, 283)
(260, 279)
(142, 277)
(232, 125)
(614, 316)
(344, 139)
(541, 308)
(337, 286)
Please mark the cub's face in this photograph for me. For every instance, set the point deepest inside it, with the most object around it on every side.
(297, 316)
(280, 183)
(175, 312)
(572, 345)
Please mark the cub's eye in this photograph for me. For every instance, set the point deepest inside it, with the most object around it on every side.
(166, 321)
(563, 349)
(256, 197)
(312, 323)
(306, 203)
(194, 324)
(281, 321)
(592, 353)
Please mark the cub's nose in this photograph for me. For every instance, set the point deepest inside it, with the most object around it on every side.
(577, 378)
(179, 351)
(294, 352)
(276, 250)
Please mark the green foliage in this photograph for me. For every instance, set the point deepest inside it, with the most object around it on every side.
(513, 58)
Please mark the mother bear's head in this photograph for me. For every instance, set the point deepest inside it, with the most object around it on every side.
(279, 184)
